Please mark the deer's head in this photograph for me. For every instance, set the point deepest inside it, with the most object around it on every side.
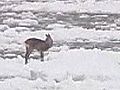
(49, 40)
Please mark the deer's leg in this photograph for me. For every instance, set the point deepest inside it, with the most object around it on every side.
(28, 52)
(42, 56)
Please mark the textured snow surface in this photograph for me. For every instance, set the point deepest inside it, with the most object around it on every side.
(77, 69)
(82, 58)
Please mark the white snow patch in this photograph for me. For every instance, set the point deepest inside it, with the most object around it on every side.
(72, 69)
(58, 6)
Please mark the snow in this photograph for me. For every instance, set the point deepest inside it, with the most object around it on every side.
(73, 69)
(61, 34)
(3, 27)
(26, 15)
(108, 6)
(19, 22)
(64, 68)
(76, 69)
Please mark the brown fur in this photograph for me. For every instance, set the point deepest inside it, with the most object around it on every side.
(39, 45)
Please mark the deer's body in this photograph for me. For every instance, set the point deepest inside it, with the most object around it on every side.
(39, 45)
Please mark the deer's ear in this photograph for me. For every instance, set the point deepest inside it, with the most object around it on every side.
(46, 35)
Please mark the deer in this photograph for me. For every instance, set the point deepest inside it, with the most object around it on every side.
(39, 45)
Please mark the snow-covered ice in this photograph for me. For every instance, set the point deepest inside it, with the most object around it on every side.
(107, 6)
(68, 69)
(64, 68)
